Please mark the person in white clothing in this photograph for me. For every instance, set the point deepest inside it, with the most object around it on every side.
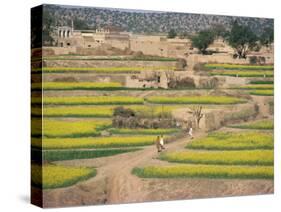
(190, 132)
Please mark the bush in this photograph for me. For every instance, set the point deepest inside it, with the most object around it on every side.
(123, 112)
(186, 82)
(253, 60)
(209, 83)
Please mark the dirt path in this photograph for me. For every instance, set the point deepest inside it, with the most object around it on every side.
(146, 93)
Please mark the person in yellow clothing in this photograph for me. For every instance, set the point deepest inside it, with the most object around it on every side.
(162, 142)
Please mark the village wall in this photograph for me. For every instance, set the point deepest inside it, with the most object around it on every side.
(59, 50)
(108, 63)
(222, 58)
(85, 77)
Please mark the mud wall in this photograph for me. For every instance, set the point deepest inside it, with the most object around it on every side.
(107, 63)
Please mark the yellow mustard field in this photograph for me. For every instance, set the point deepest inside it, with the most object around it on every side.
(233, 141)
(259, 125)
(205, 171)
(102, 111)
(54, 176)
(93, 142)
(195, 100)
(59, 128)
(124, 69)
(88, 100)
(246, 157)
(76, 85)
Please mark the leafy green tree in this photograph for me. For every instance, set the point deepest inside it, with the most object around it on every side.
(202, 40)
(172, 33)
(267, 36)
(242, 39)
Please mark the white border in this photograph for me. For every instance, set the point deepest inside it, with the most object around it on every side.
(15, 91)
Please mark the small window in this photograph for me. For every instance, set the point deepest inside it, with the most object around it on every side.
(89, 46)
(68, 44)
(158, 79)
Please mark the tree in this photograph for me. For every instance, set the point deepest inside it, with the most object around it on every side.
(172, 33)
(202, 40)
(267, 36)
(242, 39)
(197, 114)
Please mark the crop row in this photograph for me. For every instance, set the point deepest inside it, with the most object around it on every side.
(54, 176)
(205, 171)
(243, 73)
(77, 85)
(102, 69)
(247, 157)
(259, 125)
(195, 100)
(257, 87)
(102, 111)
(59, 155)
(233, 141)
(92, 142)
(54, 128)
(238, 66)
(88, 100)
(111, 100)
(262, 92)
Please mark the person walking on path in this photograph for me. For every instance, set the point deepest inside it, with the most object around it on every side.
(162, 142)
(190, 132)
(157, 143)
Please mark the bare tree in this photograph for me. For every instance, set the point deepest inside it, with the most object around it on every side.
(197, 114)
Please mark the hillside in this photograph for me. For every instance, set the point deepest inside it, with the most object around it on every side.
(147, 22)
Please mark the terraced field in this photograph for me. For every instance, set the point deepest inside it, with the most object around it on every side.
(257, 125)
(78, 86)
(238, 66)
(93, 142)
(234, 141)
(262, 92)
(104, 111)
(238, 73)
(237, 70)
(195, 100)
(252, 158)
(86, 100)
(247, 157)
(59, 128)
(78, 125)
(55, 176)
(112, 70)
(205, 171)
